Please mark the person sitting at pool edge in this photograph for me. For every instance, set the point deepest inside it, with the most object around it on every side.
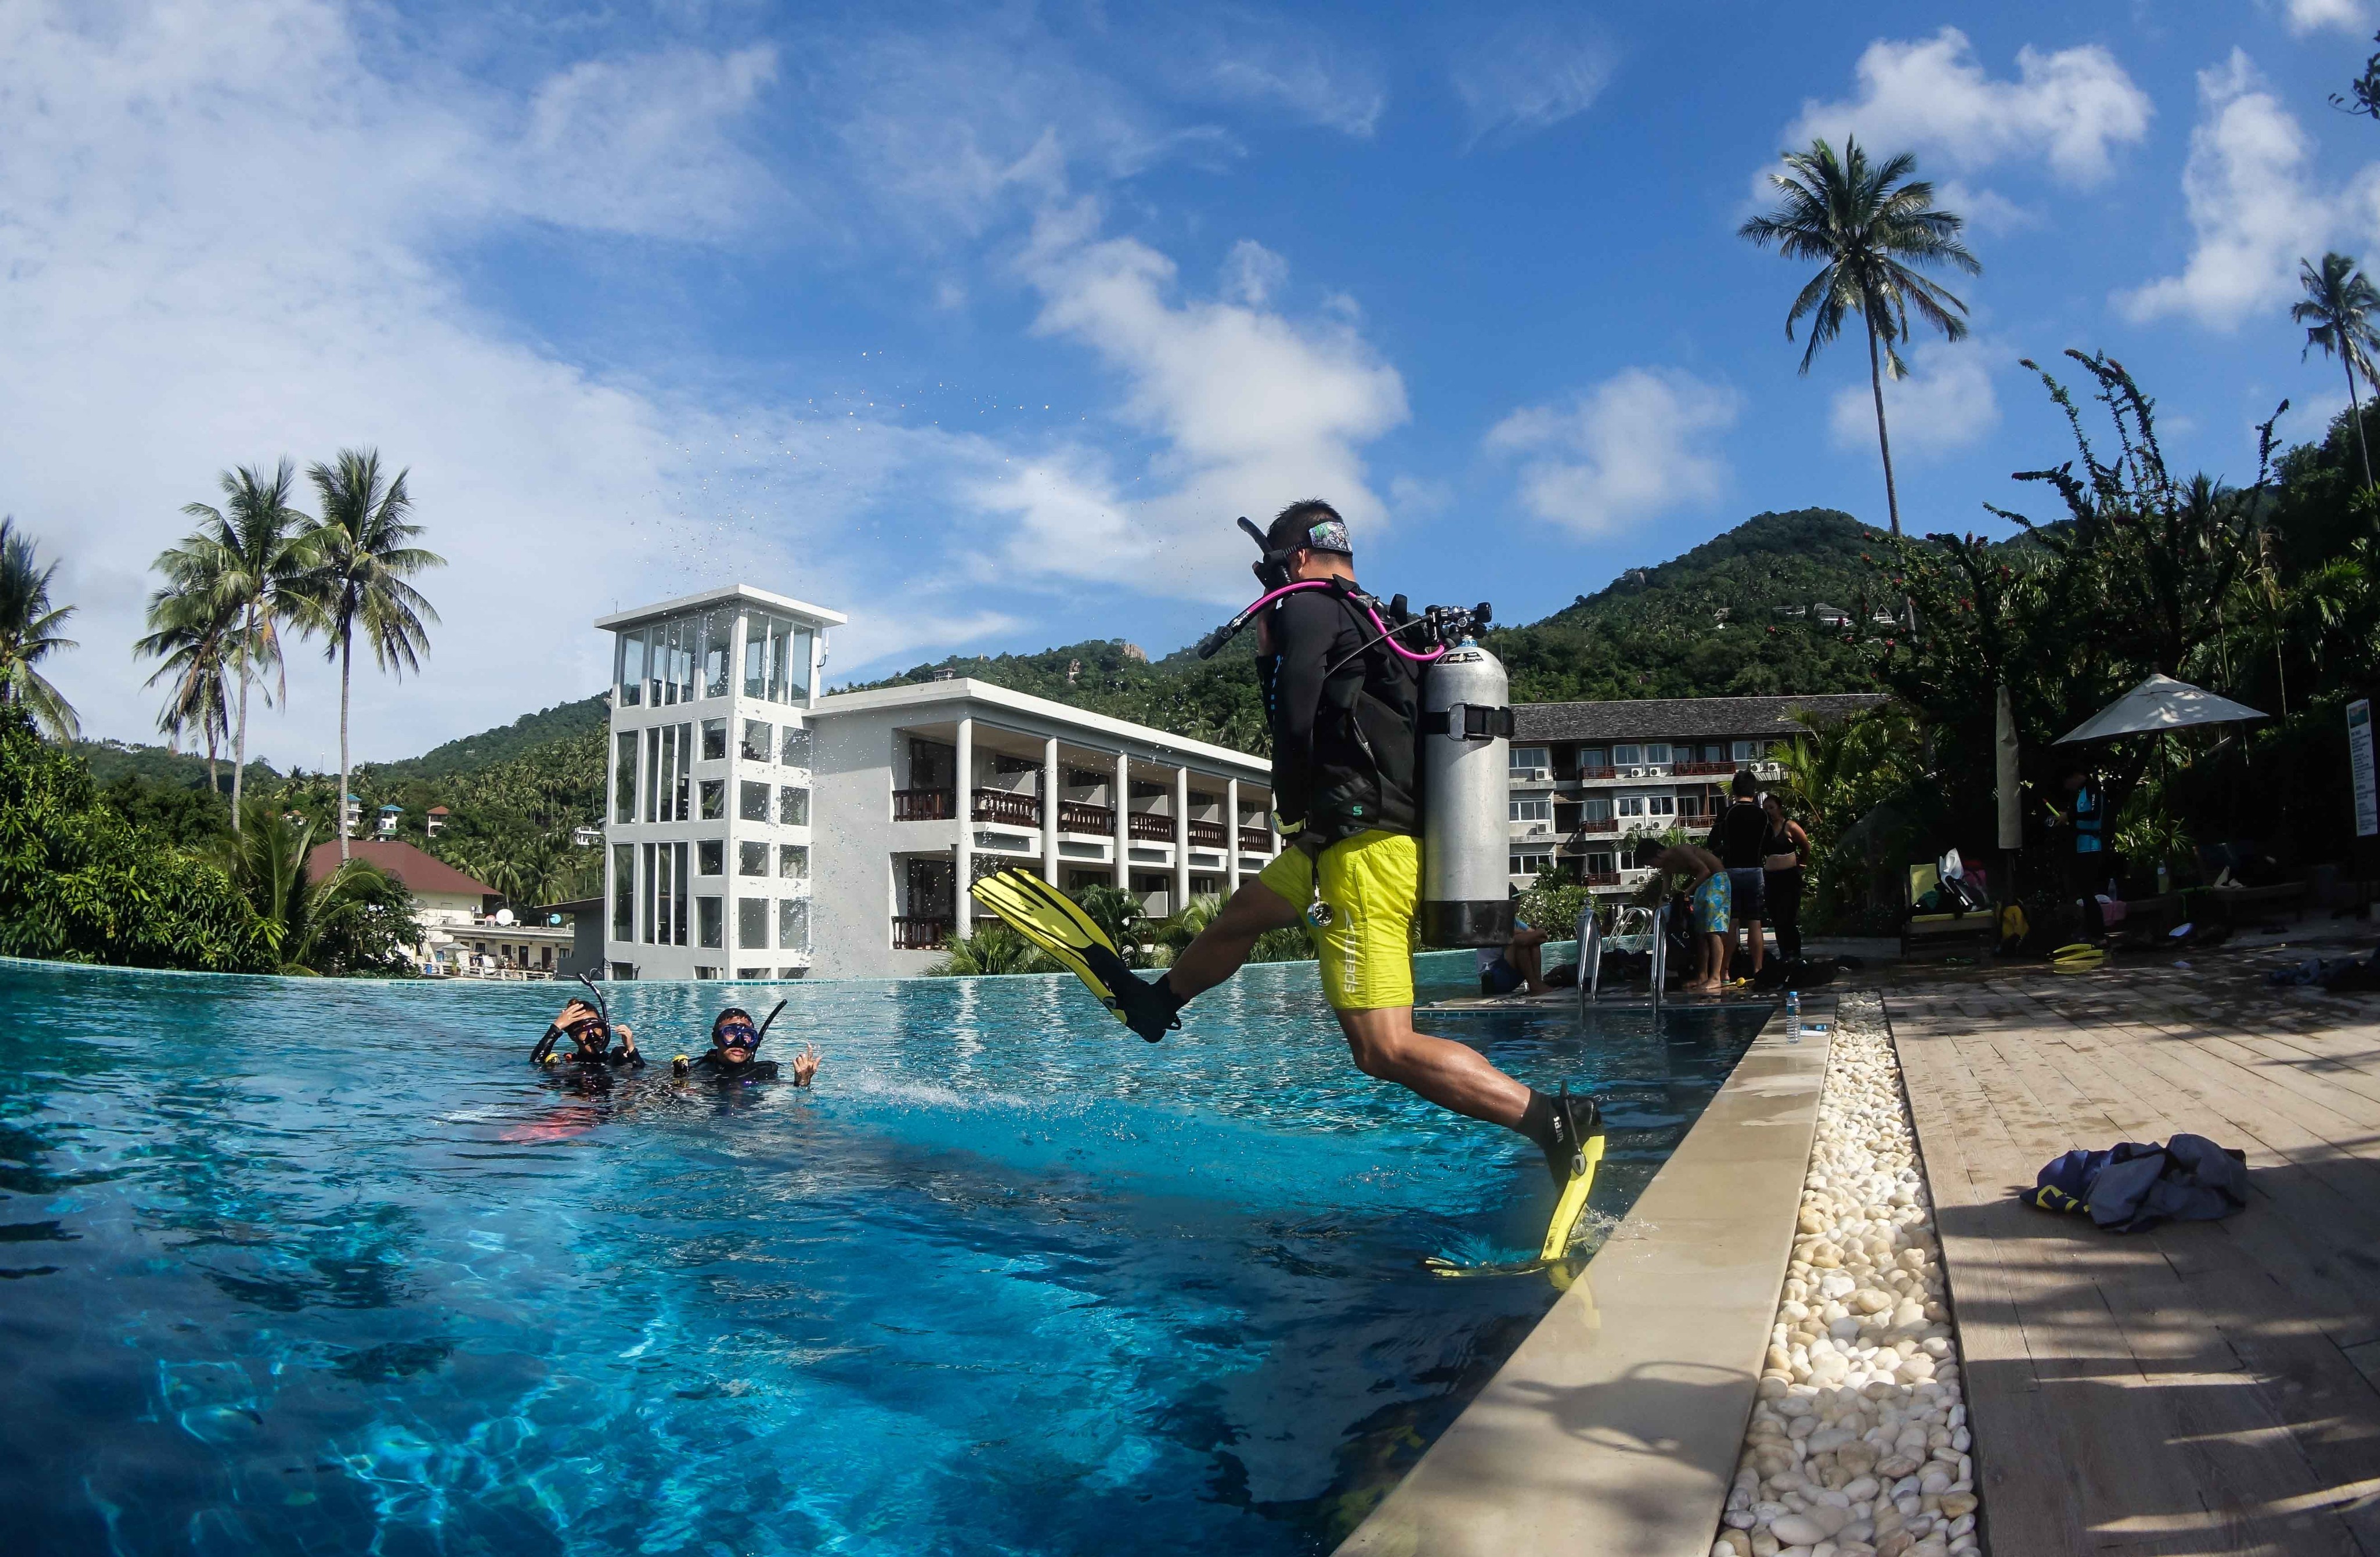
(1713, 936)
(734, 1041)
(591, 1038)
(1517, 965)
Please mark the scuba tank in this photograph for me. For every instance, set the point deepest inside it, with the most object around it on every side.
(1466, 737)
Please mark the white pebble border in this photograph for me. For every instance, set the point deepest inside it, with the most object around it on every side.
(1859, 1441)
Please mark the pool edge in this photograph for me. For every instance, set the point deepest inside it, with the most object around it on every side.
(1614, 1428)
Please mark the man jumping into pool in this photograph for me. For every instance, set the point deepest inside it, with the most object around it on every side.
(1344, 709)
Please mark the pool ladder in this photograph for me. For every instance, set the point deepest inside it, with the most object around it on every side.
(1590, 954)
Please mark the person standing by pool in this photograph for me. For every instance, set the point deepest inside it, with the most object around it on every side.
(1787, 849)
(1738, 838)
(1344, 710)
(1714, 943)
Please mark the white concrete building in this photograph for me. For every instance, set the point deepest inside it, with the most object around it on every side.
(777, 834)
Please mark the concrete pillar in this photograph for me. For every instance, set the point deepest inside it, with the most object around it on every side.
(1053, 787)
(963, 863)
(1231, 836)
(1181, 839)
(1123, 799)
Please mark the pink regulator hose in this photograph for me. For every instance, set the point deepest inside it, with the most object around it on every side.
(1386, 636)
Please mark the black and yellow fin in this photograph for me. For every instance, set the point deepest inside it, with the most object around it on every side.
(1057, 924)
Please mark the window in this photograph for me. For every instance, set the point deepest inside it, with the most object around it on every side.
(1532, 809)
(751, 859)
(1531, 759)
(701, 972)
(1744, 751)
(797, 746)
(623, 777)
(666, 748)
(1599, 864)
(718, 641)
(714, 799)
(1529, 864)
(1005, 766)
(1690, 805)
(759, 740)
(1713, 752)
(623, 891)
(630, 662)
(1632, 805)
(793, 925)
(678, 876)
(1627, 755)
(752, 801)
(1593, 757)
(751, 923)
(776, 657)
(794, 862)
(794, 806)
(751, 973)
(711, 924)
(714, 740)
(709, 856)
(1597, 808)
(1661, 805)
(792, 972)
(1657, 751)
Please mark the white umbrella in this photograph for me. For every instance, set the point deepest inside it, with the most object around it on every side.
(2159, 703)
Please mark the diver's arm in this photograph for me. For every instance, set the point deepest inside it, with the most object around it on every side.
(1303, 628)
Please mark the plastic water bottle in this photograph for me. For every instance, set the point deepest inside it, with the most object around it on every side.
(1793, 1015)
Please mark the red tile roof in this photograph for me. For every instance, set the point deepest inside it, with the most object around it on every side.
(421, 872)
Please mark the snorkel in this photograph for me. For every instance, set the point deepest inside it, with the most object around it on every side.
(1442, 627)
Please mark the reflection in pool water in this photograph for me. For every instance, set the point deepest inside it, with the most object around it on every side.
(299, 1266)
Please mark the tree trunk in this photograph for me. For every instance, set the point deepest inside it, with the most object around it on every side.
(347, 670)
(239, 743)
(2353, 400)
(1883, 440)
(215, 785)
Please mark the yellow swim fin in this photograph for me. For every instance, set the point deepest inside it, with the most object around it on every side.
(1572, 1204)
(1057, 924)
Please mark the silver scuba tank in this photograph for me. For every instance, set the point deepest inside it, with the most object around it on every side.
(1466, 738)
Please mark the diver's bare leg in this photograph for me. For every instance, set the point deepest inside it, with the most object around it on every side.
(1451, 1074)
(1229, 937)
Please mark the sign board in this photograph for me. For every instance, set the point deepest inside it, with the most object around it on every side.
(2359, 764)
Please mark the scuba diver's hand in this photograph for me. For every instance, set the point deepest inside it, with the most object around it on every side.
(628, 1036)
(806, 1064)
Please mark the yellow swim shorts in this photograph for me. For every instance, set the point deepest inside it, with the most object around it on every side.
(1372, 883)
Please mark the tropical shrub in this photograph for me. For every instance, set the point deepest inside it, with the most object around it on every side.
(78, 883)
(356, 918)
(993, 949)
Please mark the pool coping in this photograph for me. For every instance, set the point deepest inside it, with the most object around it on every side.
(1615, 1427)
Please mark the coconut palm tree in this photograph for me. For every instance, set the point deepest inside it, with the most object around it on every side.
(29, 634)
(248, 557)
(2337, 311)
(191, 632)
(308, 920)
(357, 582)
(1867, 227)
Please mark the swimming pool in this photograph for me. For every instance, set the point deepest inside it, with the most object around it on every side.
(322, 1267)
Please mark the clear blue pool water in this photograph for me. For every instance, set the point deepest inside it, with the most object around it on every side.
(323, 1268)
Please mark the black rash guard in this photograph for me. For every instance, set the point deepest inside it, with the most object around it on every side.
(1342, 738)
(1740, 836)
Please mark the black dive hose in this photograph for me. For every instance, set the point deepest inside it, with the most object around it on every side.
(765, 1027)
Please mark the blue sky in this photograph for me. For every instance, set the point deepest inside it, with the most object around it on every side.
(982, 324)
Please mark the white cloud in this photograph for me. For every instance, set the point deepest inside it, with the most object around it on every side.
(2072, 107)
(1276, 62)
(2312, 16)
(2251, 204)
(1635, 445)
(1530, 75)
(1947, 402)
(1252, 272)
(1250, 408)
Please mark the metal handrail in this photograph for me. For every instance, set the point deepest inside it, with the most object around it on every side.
(1660, 951)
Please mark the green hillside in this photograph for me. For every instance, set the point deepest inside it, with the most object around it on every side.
(1732, 616)
(588, 716)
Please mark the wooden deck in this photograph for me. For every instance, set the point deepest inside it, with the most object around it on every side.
(2209, 1387)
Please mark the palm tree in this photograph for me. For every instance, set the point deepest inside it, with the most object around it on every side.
(2337, 313)
(1866, 226)
(358, 580)
(248, 557)
(191, 632)
(29, 634)
(305, 918)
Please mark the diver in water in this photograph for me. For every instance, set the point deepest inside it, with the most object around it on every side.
(590, 1033)
(734, 1045)
(1344, 709)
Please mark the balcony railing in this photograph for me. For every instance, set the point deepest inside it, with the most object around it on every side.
(1008, 805)
(1075, 816)
(1149, 828)
(1255, 840)
(1699, 769)
(919, 933)
(1210, 834)
(1601, 878)
(1599, 824)
(924, 805)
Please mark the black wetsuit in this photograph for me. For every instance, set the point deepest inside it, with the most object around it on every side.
(1343, 717)
(711, 1065)
(1783, 893)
